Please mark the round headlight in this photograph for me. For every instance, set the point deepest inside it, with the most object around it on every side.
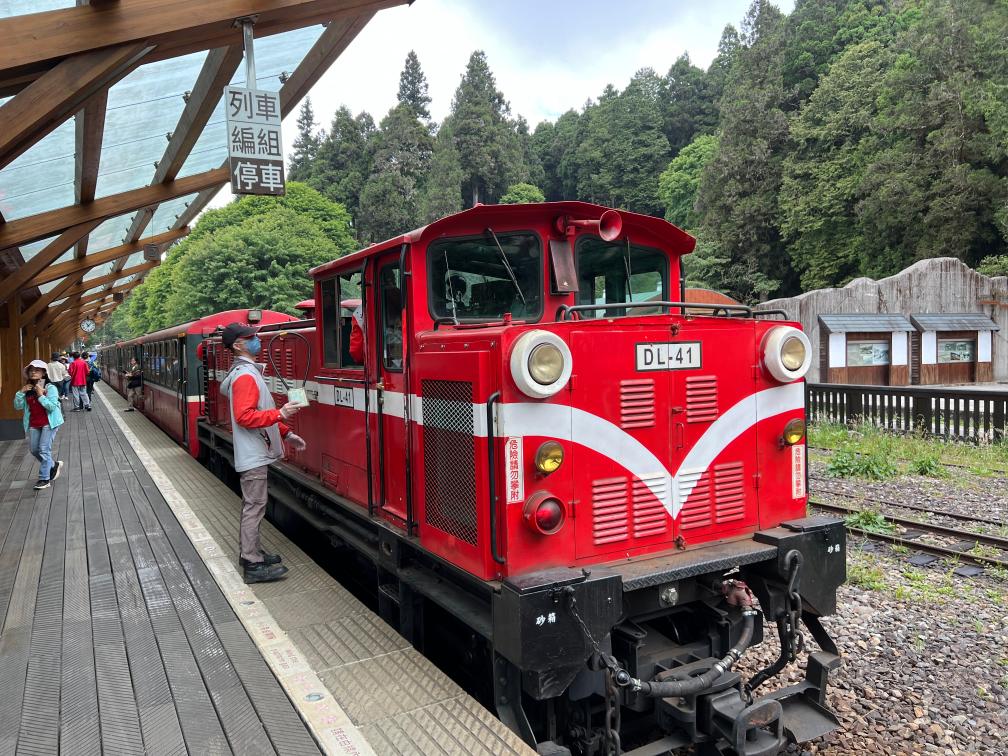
(541, 363)
(792, 353)
(545, 364)
(549, 457)
(794, 431)
(787, 353)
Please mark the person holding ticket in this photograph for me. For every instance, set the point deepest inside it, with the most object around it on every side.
(259, 433)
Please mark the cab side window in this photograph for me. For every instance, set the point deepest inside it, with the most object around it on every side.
(330, 322)
(390, 305)
(351, 320)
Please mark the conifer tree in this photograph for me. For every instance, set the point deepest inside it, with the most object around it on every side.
(306, 144)
(488, 150)
(343, 161)
(413, 87)
(443, 192)
(738, 198)
(390, 201)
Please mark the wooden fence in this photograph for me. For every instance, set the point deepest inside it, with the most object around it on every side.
(952, 414)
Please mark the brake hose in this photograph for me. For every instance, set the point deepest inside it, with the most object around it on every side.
(689, 686)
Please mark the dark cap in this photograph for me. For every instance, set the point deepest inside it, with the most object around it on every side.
(235, 331)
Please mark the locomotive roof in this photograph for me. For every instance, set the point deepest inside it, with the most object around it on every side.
(680, 242)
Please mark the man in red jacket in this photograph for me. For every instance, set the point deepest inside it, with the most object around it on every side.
(258, 434)
(79, 370)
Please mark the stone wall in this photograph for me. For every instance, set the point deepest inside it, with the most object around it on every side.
(942, 284)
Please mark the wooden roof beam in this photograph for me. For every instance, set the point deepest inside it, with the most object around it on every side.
(10, 285)
(34, 43)
(58, 94)
(88, 284)
(90, 130)
(24, 230)
(93, 260)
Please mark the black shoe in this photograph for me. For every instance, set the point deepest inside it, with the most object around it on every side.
(57, 468)
(260, 572)
(267, 559)
(129, 410)
(45, 484)
(88, 408)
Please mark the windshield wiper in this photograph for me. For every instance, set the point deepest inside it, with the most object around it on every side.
(507, 265)
(626, 265)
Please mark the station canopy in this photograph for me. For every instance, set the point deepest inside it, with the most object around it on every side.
(112, 134)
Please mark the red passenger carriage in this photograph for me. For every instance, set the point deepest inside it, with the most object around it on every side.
(544, 444)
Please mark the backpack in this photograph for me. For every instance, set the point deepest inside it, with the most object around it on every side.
(95, 373)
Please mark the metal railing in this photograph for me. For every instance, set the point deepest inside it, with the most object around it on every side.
(948, 413)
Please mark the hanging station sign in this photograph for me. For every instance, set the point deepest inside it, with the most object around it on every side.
(255, 150)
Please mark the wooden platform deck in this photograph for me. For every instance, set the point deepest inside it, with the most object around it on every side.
(126, 627)
(115, 637)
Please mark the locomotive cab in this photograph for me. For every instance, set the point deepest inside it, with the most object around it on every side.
(518, 419)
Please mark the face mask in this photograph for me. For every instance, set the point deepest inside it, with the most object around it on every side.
(254, 346)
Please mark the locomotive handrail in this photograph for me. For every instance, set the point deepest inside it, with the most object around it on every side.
(564, 310)
(492, 475)
(444, 321)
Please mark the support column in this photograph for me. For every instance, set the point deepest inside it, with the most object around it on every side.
(11, 379)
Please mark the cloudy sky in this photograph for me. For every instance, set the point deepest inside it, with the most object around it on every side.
(547, 55)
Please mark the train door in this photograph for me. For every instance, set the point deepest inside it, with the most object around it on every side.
(391, 389)
(178, 373)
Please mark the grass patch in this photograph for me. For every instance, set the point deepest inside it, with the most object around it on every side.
(848, 463)
(928, 465)
(870, 521)
(865, 576)
(984, 459)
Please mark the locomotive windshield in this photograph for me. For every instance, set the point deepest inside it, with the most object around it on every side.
(485, 277)
(612, 272)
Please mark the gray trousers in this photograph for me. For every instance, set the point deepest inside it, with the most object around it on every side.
(253, 486)
(81, 396)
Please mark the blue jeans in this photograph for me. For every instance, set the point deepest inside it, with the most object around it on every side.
(41, 440)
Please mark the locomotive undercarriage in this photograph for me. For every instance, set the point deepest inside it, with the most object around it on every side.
(578, 662)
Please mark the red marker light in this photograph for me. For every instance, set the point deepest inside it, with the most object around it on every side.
(544, 513)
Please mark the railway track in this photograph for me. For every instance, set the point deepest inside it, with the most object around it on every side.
(968, 555)
(912, 507)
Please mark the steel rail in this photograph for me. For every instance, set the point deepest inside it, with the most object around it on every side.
(927, 548)
(913, 507)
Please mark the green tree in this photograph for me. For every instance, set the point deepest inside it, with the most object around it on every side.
(484, 136)
(717, 74)
(520, 194)
(738, 197)
(833, 143)
(443, 192)
(343, 162)
(679, 183)
(306, 144)
(413, 87)
(390, 202)
(994, 265)
(687, 107)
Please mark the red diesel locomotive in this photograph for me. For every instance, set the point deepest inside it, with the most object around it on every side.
(564, 474)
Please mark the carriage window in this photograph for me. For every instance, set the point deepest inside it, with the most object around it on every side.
(478, 279)
(617, 272)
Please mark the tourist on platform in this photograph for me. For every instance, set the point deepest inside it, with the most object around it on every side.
(79, 370)
(94, 373)
(257, 428)
(39, 400)
(58, 375)
(65, 361)
(134, 384)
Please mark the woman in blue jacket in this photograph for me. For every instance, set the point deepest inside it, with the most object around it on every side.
(39, 400)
